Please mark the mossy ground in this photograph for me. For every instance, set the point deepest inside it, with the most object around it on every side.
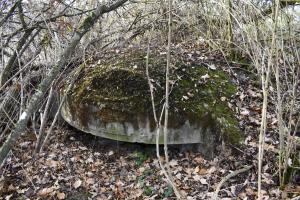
(119, 87)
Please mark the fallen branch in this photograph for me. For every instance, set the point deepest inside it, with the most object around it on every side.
(226, 178)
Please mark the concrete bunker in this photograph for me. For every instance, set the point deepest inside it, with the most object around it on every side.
(111, 99)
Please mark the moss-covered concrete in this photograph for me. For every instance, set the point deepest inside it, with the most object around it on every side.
(118, 91)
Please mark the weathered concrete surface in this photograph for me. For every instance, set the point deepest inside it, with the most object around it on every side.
(137, 128)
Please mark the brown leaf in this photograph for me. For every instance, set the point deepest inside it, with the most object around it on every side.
(202, 171)
(77, 184)
(52, 163)
(90, 181)
(61, 195)
(199, 159)
(45, 192)
(173, 163)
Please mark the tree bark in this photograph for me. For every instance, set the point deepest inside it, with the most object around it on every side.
(8, 104)
(33, 104)
(9, 68)
(282, 4)
(44, 119)
(10, 12)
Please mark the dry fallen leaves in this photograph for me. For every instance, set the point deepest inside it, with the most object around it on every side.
(77, 184)
(53, 163)
(45, 192)
(173, 163)
(90, 181)
(61, 195)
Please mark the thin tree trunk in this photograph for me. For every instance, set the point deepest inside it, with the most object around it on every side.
(10, 101)
(265, 88)
(33, 104)
(10, 12)
(167, 85)
(29, 42)
(32, 59)
(43, 122)
(169, 174)
(230, 29)
(49, 132)
(11, 64)
(7, 102)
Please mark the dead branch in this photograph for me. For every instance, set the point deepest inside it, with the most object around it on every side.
(229, 176)
(11, 64)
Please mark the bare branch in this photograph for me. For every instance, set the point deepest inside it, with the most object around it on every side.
(65, 56)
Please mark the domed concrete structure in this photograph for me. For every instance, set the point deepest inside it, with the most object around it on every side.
(112, 99)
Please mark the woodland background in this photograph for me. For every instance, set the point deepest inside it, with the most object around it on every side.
(43, 43)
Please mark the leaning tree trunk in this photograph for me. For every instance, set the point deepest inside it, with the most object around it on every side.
(10, 12)
(8, 105)
(81, 31)
(9, 102)
(11, 64)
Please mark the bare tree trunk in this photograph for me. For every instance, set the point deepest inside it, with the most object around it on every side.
(10, 102)
(7, 102)
(11, 64)
(167, 85)
(33, 104)
(31, 60)
(10, 12)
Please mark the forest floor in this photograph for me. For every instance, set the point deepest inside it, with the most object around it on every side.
(75, 165)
